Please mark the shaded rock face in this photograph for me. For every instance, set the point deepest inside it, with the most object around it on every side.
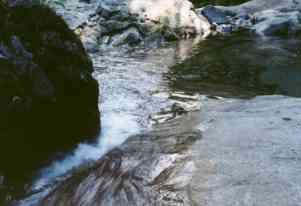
(48, 96)
(150, 169)
(265, 18)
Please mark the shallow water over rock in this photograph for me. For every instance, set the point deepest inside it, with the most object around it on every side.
(130, 84)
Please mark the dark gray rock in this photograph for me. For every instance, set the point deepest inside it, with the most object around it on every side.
(130, 37)
(48, 99)
(273, 22)
(215, 15)
(265, 17)
(254, 6)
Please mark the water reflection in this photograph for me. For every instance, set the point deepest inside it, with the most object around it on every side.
(241, 66)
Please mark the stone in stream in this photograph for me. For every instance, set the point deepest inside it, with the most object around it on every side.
(181, 104)
(49, 100)
(214, 15)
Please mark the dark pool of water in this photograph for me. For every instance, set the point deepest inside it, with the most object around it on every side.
(241, 66)
(200, 3)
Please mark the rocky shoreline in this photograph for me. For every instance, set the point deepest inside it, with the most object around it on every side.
(108, 24)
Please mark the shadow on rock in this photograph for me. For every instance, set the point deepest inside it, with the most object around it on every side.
(49, 100)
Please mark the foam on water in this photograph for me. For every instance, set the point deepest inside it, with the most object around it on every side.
(124, 126)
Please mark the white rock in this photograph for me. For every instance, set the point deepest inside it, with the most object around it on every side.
(174, 14)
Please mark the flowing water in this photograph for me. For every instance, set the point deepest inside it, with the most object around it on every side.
(127, 82)
(240, 66)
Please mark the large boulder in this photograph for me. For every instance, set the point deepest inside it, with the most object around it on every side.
(249, 154)
(48, 99)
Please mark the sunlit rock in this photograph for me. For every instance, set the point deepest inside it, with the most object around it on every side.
(100, 23)
(177, 15)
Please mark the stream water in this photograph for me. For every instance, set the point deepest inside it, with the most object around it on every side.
(240, 66)
(127, 82)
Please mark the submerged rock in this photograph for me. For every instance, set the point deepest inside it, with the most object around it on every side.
(49, 100)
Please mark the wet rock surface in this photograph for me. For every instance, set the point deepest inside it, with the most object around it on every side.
(156, 174)
(232, 152)
(48, 96)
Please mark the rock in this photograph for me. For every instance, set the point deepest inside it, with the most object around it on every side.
(263, 17)
(272, 22)
(246, 154)
(255, 6)
(158, 174)
(176, 15)
(214, 15)
(49, 99)
(224, 29)
(164, 19)
(130, 37)
(182, 104)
